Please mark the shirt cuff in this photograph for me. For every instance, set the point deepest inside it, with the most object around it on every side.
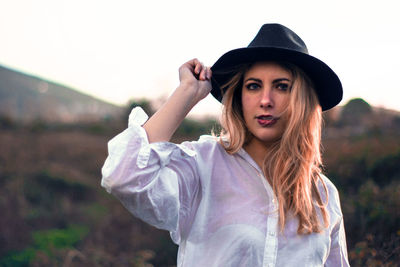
(137, 117)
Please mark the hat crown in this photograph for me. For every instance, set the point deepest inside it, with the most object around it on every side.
(278, 36)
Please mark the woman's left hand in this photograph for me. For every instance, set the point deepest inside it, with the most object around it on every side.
(195, 78)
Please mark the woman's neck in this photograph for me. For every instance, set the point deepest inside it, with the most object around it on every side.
(257, 151)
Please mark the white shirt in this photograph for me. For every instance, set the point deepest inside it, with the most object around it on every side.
(218, 207)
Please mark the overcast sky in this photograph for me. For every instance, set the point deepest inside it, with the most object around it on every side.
(119, 50)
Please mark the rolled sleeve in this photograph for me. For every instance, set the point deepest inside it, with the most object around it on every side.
(155, 182)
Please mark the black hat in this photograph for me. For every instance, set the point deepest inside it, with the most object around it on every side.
(277, 43)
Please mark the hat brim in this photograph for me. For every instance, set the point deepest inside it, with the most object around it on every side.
(327, 84)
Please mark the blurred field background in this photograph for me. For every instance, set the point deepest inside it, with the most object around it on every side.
(54, 212)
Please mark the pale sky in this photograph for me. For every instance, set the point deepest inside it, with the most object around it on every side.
(119, 50)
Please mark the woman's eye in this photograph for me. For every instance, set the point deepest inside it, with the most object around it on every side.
(283, 86)
(252, 86)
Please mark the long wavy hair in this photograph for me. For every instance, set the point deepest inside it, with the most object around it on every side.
(292, 165)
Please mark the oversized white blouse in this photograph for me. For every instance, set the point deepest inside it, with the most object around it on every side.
(218, 207)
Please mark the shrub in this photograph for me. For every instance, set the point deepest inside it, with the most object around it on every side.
(386, 169)
(48, 242)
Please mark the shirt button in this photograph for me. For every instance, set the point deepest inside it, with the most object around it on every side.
(271, 233)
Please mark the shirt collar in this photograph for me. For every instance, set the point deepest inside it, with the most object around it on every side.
(243, 154)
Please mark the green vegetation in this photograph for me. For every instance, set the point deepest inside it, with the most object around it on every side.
(48, 242)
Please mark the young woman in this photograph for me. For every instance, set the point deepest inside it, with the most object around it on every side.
(255, 195)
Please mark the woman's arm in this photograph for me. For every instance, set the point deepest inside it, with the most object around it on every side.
(338, 250)
(158, 182)
(194, 86)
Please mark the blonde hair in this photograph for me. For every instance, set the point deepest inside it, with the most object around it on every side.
(293, 164)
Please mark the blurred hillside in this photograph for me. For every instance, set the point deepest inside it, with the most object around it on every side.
(54, 212)
(25, 98)
(357, 117)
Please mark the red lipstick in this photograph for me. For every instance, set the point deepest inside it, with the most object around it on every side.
(266, 120)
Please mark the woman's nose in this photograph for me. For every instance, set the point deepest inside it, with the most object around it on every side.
(266, 99)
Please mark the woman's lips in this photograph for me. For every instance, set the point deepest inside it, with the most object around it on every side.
(267, 120)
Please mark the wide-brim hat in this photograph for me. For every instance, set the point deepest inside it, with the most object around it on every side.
(275, 42)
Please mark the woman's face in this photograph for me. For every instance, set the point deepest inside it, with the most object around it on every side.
(265, 97)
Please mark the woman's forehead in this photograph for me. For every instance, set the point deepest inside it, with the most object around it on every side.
(268, 68)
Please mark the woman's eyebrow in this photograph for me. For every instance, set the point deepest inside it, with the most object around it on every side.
(281, 80)
(253, 79)
(274, 81)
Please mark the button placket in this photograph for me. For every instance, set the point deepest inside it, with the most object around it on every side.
(271, 237)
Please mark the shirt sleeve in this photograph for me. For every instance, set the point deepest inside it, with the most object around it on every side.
(156, 182)
(338, 251)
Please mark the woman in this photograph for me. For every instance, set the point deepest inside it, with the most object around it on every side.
(255, 196)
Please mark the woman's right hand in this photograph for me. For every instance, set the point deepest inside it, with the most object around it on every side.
(194, 86)
(196, 77)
